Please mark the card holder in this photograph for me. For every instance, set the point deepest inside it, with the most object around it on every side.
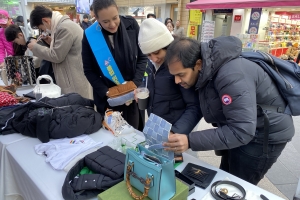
(200, 175)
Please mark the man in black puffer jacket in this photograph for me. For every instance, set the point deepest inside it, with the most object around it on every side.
(230, 87)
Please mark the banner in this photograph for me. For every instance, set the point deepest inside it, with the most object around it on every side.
(254, 20)
(192, 31)
(208, 31)
(195, 17)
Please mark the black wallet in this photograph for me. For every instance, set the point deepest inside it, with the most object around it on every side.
(200, 175)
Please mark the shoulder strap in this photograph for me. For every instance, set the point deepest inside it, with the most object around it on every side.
(103, 55)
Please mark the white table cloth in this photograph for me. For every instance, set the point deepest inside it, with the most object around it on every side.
(37, 180)
(7, 181)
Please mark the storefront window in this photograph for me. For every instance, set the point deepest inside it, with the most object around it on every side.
(11, 6)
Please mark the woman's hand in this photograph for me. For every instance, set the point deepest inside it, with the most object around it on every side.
(1, 65)
(177, 142)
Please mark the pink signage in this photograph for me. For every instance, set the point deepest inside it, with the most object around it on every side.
(295, 16)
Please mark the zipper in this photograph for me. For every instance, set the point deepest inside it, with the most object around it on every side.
(287, 84)
(6, 123)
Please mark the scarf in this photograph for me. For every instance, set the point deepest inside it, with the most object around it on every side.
(56, 17)
(121, 50)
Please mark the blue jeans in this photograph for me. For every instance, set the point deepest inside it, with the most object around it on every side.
(248, 162)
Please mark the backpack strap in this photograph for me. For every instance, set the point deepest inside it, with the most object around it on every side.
(264, 109)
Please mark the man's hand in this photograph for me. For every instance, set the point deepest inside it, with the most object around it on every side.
(177, 142)
(1, 65)
(31, 44)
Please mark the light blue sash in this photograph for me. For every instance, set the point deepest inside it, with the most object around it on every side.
(102, 53)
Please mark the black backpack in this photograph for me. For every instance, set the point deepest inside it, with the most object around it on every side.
(286, 75)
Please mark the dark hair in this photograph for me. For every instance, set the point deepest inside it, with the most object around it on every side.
(20, 19)
(11, 32)
(151, 15)
(85, 16)
(37, 14)
(166, 20)
(102, 4)
(91, 8)
(184, 49)
(170, 23)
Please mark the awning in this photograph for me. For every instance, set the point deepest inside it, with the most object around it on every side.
(227, 4)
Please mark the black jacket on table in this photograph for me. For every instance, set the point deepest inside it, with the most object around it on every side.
(67, 116)
(230, 87)
(131, 71)
(170, 101)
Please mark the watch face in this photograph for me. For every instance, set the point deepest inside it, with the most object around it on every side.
(255, 15)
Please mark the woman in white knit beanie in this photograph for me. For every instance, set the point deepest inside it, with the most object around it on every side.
(168, 100)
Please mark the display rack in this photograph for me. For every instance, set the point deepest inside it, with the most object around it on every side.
(280, 34)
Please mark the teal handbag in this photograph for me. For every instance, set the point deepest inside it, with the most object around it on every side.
(150, 173)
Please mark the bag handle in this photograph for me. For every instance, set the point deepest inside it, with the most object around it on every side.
(45, 77)
(146, 182)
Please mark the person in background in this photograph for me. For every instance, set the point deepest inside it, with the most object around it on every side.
(16, 34)
(178, 31)
(85, 22)
(151, 15)
(121, 36)
(64, 51)
(6, 48)
(168, 20)
(92, 14)
(170, 27)
(230, 89)
(20, 22)
(168, 100)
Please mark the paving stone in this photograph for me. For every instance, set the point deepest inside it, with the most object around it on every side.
(279, 174)
(288, 190)
(288, 159)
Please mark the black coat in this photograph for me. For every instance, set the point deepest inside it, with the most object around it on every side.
(230, 87)
(95, 76)
(85, 25)
(172, 102)
(68, 116)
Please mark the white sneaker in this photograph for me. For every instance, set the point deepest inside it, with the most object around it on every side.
(115, 123)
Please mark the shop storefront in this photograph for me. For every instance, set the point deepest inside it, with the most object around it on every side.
(270, 26)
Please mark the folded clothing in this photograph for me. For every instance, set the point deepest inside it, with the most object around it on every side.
(60, 152)
(7, 99)
(108, 167)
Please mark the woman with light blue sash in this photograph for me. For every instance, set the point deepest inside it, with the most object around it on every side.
(111, 56)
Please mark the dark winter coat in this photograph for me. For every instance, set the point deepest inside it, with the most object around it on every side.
(172, 102)
(230, 87)
(85, 25)
(108, 167)
(68, 116)
(95, 76)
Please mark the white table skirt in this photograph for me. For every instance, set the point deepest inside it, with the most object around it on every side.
(37, 180)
